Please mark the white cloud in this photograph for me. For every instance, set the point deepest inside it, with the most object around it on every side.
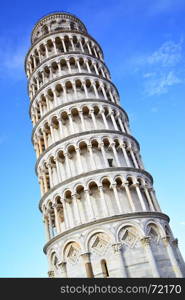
(158, 85)
(12, 54)
(169, 54)
(161, 69)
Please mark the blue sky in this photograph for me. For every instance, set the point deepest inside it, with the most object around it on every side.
(143, 43)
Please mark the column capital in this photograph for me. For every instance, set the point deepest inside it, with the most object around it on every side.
(145, 240)
(166, 240)
(62, 264)
(175, 242)
(51, 274)
(117, 247)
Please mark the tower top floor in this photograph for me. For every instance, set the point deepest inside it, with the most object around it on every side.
(53, 22)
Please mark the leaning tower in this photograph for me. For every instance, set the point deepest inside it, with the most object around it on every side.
(100, 211)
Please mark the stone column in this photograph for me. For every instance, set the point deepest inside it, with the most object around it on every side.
(75, 91)
(50, 175)
(148, 198)
(78, 64)
(69, 66)
(66, 219)
(79, 161)
(123, 147)
(121, 272)
(92, 161)
(54, 45)
(71, 123)
(93, 118)
(63, 45)
(110, 93)
(116, 197)
(94, 48)
(133, 158)
(131, 202)
(113, 121)
(136, 185)
(95, 90)
(87, 65)
(72, 44)
(172, 257)
(63, 268)
(104, 155)
(121, 124)
(77, 210)
(67, 164)
(106, 209)
(96, 70)
(146, 244)
(91, 209)
(47, 54)
(104, 119)
(103, 73)
(58, 170)
(46, 225)
(87, 264)
(115, 154)
(57, 220)
(85, 89)
(81, 46)
(50, 225)
(103, 90)
(152, 193)
(82, 119)
(90, 52)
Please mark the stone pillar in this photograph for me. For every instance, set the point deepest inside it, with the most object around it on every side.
(93, 118)
(87, 264)
(91, 209)
(66, 219)
(72, 44)
(82, 49)
(77, 210)
(63, 269)
(87, 65)
(90, 52)
(104, 119)
(153, 196)
(146, 244)
(136, 185)
(106, 209)
(95, 90)
(79, 161)
(46, 225)
(78, 64)
(115, 154)
(104, 155)
(131, 202)
(116, 197)
(123, 147)
(82, 119)
(57, 220)
(63, 45)
(121, 269)
(172, 257)
(121, 124)
(92, 161)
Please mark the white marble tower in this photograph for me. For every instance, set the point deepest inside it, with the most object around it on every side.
(100, 211)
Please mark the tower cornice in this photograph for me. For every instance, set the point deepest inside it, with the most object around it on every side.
(91, 173)
(72, 136)
(122, 217)
(65, 105)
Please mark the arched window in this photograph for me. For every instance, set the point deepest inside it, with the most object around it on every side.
(104, 268)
